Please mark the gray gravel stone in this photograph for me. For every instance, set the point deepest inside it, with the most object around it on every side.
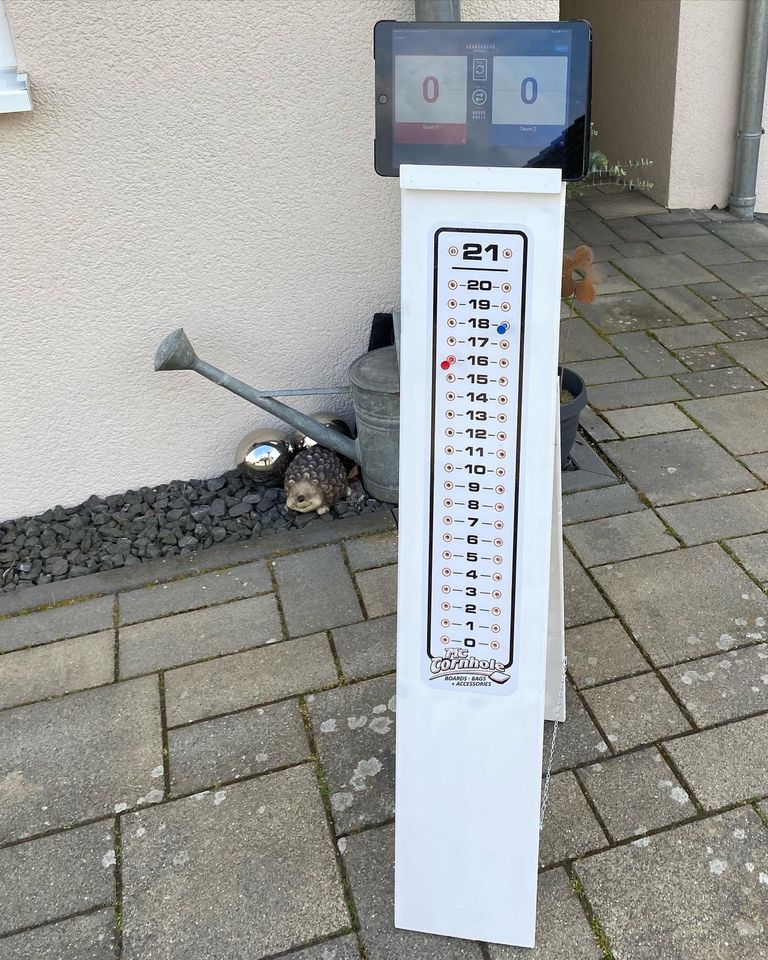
(49, 878)
(752, 553)
(316, 591)
(623, 312)
(562, 931)
(570, 828)
(635, 711)
(578, 739)
(646, 354)
(243, 872)
(236, 746)
(235, 583)
(602, 651)
(594, 504)
(186, 637)
(369, 859)
(685, 894)
(89, 937)
(619, 538)
(354, 731)
(738, 422)
(374, 551)
(367, 648)
(725, 687)
(685, 604)
(719, 518)
(636, 793)
(583, 602)
(248, 679)
(344, 948)
(56, 668)
(679, 466)
(79, 756)
(378, 589)
(58, 623)
(649, 420)
(634, 393)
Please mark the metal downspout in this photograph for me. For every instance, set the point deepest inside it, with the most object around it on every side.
(438, 9)
(753, 74)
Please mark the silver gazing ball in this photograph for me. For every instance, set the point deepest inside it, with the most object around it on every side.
(303, 442)
(263, 456)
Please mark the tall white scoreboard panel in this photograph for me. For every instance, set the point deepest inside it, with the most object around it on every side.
(481, 260)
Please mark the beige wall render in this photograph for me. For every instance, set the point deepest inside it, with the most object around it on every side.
(709, 63)
(192, 162)
(666, 86)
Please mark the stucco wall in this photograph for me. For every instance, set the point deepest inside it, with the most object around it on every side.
(192, 162)
(707, 103)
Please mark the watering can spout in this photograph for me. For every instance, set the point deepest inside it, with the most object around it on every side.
(177, 353)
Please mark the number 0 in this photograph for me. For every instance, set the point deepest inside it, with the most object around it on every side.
(529, 90)
(431, 89)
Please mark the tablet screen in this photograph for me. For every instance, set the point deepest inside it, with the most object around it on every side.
(482, 94)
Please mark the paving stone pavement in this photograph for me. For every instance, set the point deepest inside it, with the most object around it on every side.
(197, 757)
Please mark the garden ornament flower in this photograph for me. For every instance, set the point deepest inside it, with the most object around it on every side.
(580, 275)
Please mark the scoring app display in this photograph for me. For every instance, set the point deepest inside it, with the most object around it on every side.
(480, 94)
(530, 90)
(430, 99)
(478, 316)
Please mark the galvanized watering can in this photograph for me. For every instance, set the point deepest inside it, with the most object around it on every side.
(375, 388)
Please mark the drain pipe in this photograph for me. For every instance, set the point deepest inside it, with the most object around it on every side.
(438, 9)
(753, 71)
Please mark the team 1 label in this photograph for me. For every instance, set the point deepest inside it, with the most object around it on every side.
(478, 342)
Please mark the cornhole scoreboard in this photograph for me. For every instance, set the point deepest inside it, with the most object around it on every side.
(482, 122)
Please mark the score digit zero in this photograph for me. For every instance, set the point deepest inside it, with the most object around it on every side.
(478, 344)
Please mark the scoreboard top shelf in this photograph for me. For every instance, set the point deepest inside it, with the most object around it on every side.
(483, 94)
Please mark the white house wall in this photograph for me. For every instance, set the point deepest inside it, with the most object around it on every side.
(193, 163)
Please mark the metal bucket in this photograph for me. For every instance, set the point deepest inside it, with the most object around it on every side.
(375, 380)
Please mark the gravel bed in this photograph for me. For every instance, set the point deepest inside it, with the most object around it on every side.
(170, 520)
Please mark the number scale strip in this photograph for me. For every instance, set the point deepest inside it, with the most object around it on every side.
(504, 618)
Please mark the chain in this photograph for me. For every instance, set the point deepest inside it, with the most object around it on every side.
(551, 759)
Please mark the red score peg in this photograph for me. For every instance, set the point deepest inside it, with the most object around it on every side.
(447, 363)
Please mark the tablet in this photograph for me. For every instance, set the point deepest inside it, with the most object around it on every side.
(483, 94)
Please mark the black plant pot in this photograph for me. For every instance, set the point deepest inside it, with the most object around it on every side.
(569, 412)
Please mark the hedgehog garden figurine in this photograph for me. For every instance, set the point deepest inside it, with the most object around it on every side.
(316, 479)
